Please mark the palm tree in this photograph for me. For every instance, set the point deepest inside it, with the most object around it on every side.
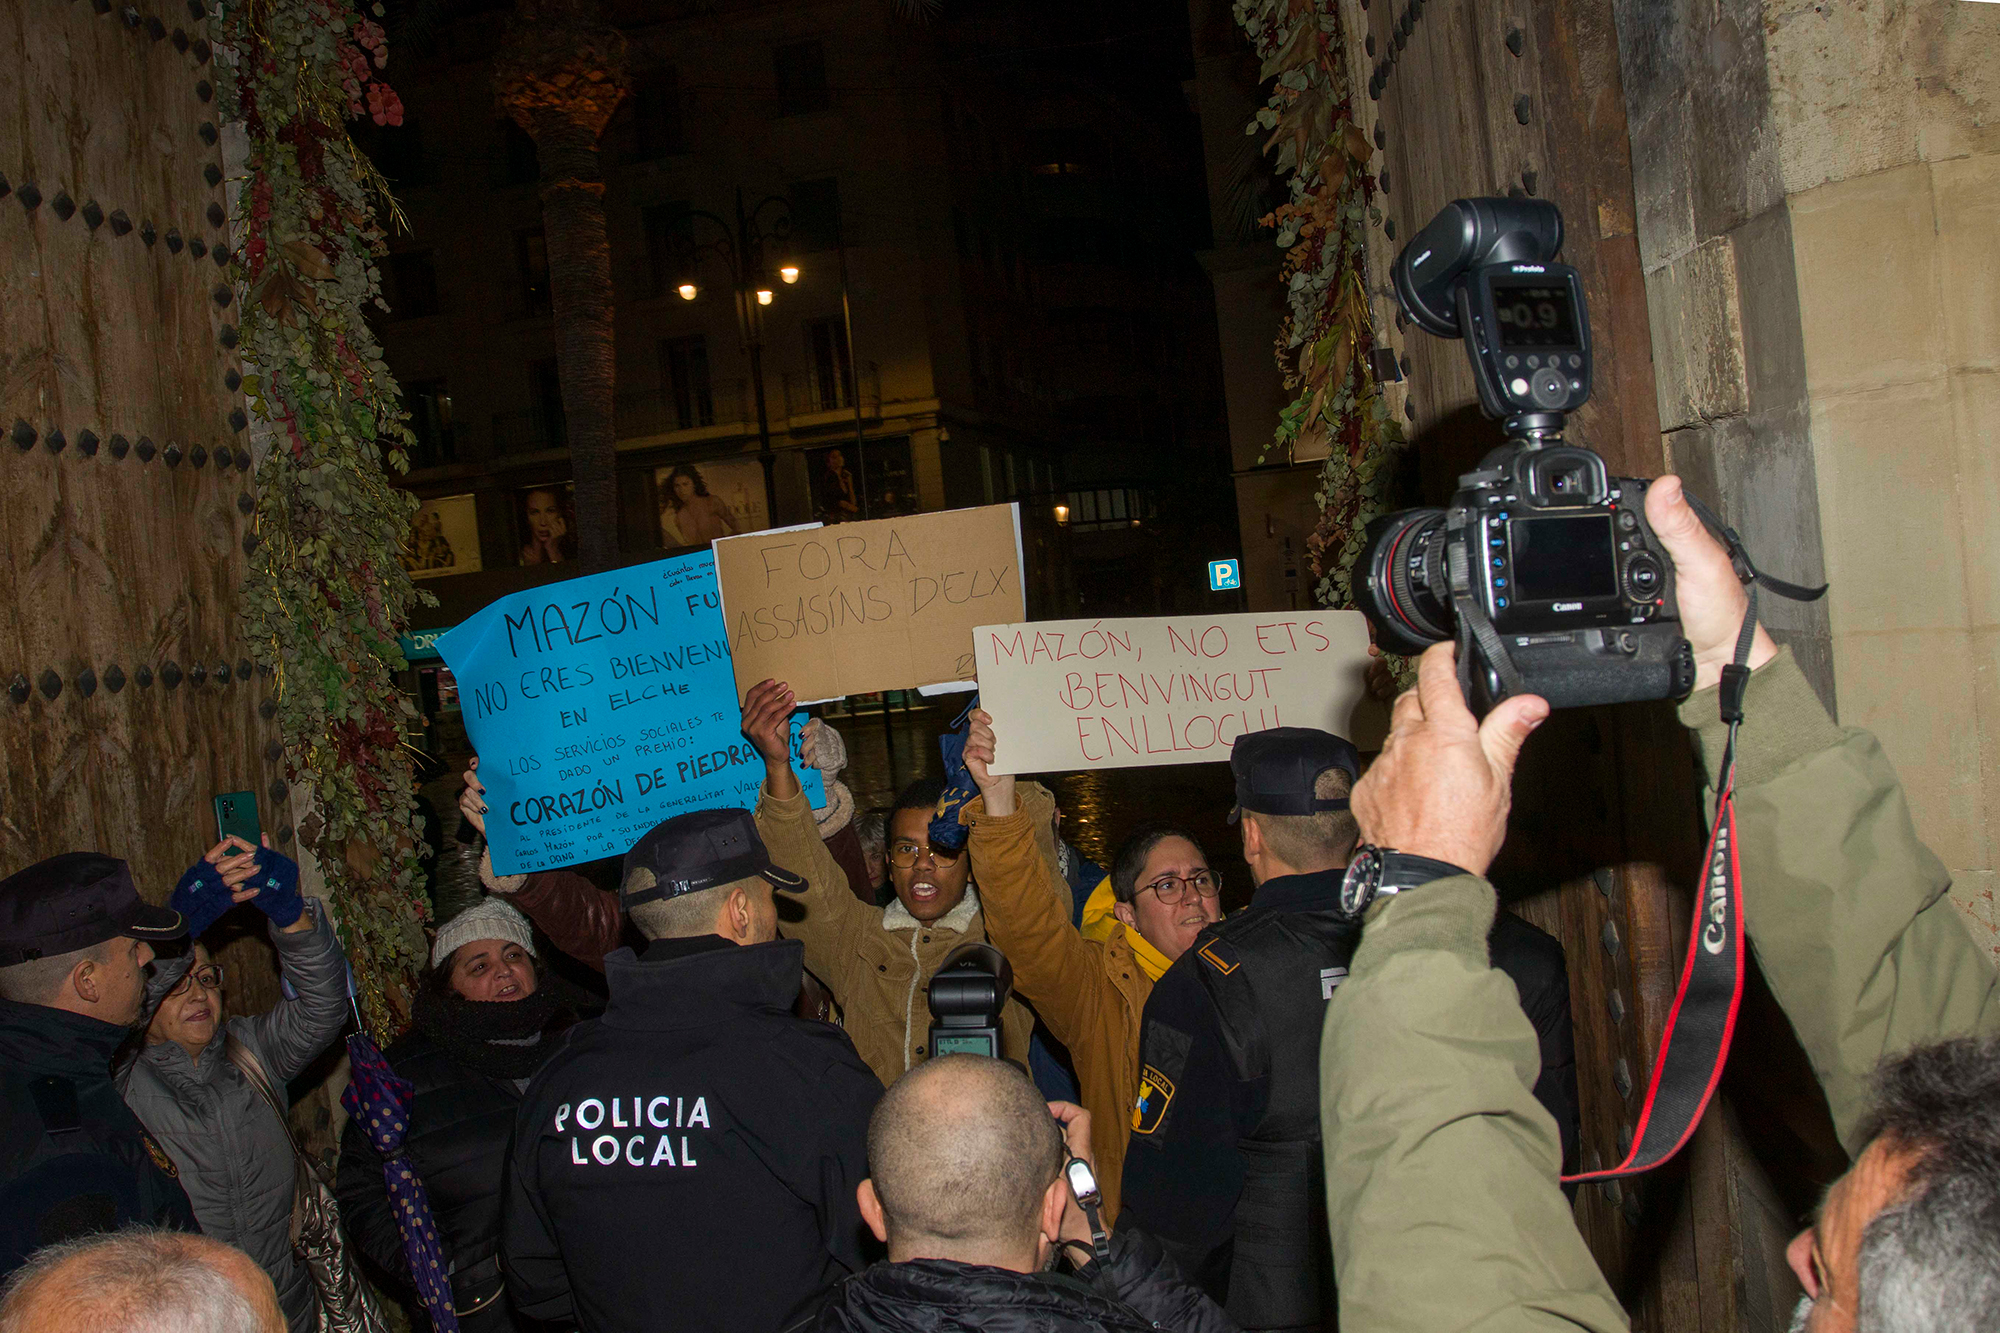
(559, 74)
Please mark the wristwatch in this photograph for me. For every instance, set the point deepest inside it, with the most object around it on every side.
(1083, 1184)
(1376, 871)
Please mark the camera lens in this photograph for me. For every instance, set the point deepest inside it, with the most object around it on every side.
(1400, 581)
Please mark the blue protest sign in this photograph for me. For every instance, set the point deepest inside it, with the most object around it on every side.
(601, 706)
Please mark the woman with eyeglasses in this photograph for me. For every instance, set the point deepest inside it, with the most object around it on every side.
(1090, 985)
(193, 1093)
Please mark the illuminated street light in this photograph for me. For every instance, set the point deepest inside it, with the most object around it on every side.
(688, 291)
(1062, 513)
(763, 296)
(789, 273)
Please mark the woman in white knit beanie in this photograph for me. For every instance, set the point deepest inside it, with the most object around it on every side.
(484, 1022)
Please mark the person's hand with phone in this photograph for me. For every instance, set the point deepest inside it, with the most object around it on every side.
(1075, 1122)
(233, 872)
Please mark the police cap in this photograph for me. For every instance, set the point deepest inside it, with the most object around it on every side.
(1277, 769)
(72, 902)
(699, 851)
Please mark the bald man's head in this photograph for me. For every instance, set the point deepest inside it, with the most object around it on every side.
(961, 1151)
(140, 1281)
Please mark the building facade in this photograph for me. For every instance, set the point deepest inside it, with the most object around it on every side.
(962, 207)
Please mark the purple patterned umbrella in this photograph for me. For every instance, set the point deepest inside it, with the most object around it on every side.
(379, 1100)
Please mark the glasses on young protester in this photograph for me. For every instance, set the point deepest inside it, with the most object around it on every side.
(209, 975)
(903, 853)
(1173, 890)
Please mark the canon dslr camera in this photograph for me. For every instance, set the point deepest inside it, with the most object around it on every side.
(1543, 566)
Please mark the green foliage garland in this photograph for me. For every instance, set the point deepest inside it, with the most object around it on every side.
(327, 594)
(1325, 340)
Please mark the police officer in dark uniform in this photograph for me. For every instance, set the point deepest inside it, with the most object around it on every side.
(73, 1159)
(690, 1159)
(1225, 1163)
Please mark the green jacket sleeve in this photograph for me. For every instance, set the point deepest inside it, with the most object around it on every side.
(1435, 1145)
(1847, 910)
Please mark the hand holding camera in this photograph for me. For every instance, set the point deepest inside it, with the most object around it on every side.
(1441, 787)
(1713, 601)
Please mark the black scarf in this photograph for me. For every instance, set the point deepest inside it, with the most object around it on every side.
(503, 1039)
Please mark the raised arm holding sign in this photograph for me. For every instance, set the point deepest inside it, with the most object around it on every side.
(601, 706)
(1171, 689)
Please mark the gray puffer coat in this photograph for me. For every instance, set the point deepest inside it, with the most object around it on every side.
(234, 1159)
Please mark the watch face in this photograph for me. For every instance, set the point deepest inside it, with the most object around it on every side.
(1364, 877)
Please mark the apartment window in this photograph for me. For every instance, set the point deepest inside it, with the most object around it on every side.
(801, 70)
(684, 370)
(531, 256)
(826, 355)
(413, 284)
(669, 232)
(656, 115)
(816, 219)
(430, 421)
(551, 427)
(518, 164)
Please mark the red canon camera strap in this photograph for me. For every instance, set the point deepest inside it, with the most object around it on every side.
(1695, 1045)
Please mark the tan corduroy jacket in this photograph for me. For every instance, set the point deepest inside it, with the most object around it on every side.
(877, 961)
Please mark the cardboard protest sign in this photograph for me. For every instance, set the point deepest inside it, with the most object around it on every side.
(1071, 694)
(601, 706)
(882, 605)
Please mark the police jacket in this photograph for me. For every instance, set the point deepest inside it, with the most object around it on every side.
(73, 1157)
(1138, 1288)
(1229, 1059)
(234, 1157)
(689, 1160)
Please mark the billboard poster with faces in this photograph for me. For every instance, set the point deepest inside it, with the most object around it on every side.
(444, 538)
(545, 518)
(881, 485)
(700, 502)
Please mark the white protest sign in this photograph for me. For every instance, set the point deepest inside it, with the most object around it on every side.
(1074, 694)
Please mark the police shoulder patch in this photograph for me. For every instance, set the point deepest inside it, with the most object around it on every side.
(1156, 1093)
(1218, 955)
(159, 1156)
(1163, 1052)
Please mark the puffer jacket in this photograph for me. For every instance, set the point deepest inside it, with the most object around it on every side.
(460, 1126)
(1138, 1288)
(877, 961)
(234, 1158)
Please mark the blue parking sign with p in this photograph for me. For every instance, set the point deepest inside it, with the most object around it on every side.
(1223, 575)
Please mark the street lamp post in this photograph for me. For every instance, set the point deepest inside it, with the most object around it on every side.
(742, 248)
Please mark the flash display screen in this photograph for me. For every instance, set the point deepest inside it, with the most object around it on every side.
(1562, 559)
(1538, 316)
(969, 1044)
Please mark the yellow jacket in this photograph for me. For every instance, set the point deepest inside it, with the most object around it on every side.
(1091, 993)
